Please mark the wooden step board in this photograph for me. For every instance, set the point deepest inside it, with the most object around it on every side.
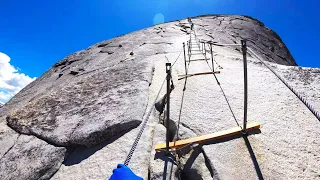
(199, 59)
(198, 54)
(197, 74)
(209, 137)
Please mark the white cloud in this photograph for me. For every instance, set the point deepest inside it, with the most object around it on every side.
(11, 81)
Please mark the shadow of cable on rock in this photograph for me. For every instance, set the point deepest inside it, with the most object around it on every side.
(79, 153)
(224, 95)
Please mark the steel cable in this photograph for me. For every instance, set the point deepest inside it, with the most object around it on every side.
(144, 122)
(302, 99)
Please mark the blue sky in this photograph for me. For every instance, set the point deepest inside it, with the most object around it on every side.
(36, 33)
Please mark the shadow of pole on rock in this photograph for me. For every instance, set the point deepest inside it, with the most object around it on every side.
(196, 151)
(253, 157)
(188, 173)
(162, 155)
(167, 159)
(165, 168)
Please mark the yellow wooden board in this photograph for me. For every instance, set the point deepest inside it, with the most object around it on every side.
(183, 75)
(196, 74)
(208, 137)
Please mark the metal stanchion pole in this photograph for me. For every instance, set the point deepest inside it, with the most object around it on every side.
(202, 46)
(168, 70)
(190, 52)
(205, 52)
(185, 61)
(187, 46)
(189, 49)
(244, 52)
(212, 58)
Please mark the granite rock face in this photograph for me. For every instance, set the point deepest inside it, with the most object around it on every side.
(225, 29)
(93, 102)
(31, 158)
(89, 109)
(8, 137)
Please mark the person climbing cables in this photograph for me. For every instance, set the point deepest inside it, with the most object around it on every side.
(122, 172)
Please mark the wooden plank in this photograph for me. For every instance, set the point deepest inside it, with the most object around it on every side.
(183, 75)
(196, 74)
(209, 137)
(199, 59)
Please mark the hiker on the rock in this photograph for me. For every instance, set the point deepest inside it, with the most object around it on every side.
(122, 172)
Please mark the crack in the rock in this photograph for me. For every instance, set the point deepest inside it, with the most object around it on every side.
(209, 35)
(58, 168)
(260, 49)
(10, 147)
(170, 43)
(238, 28)
(220, 21)
(283, 58)
(183, 30)
(213, 171)
(188, 127)
(104, 44)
